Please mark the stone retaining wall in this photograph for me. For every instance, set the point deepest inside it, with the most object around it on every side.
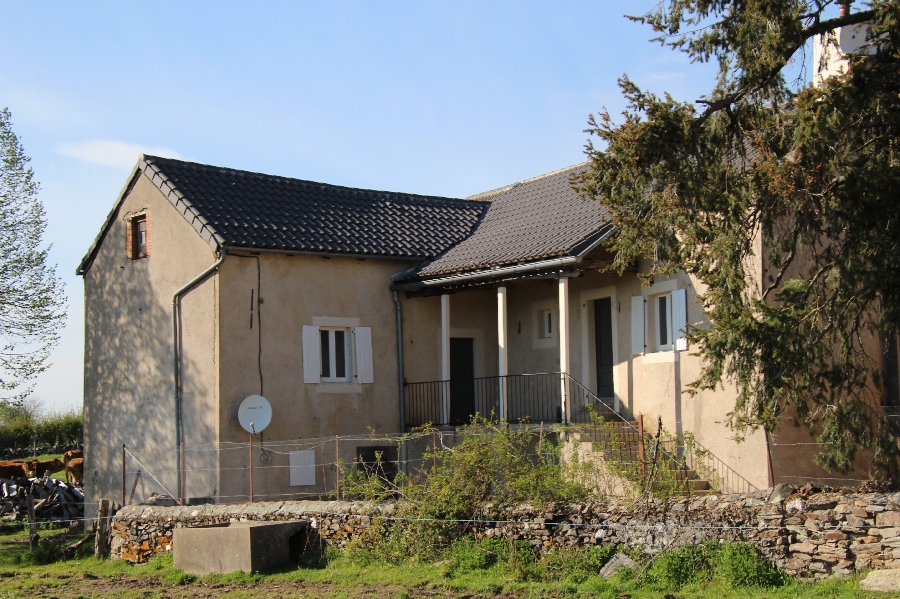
(807, 536)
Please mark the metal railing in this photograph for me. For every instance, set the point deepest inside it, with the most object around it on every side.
(538, 398)
(529, 397)
(630, 443)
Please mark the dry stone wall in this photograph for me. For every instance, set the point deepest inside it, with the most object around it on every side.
(807, 535)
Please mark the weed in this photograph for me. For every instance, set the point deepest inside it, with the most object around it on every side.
(739, 565)
(178, 578)
(679, 567)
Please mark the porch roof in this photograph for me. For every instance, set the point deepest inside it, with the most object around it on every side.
(528, 222)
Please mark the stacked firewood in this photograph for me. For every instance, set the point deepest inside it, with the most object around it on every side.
(53, 499)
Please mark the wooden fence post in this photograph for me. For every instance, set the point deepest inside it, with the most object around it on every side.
(137, 477)
(337, 468)
(33, 536)
(101, 541)
(123, 475)
(640, 420)
(540, 442)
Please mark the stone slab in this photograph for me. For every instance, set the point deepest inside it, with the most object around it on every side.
(237, 546)
(882, 580)
(619, 560)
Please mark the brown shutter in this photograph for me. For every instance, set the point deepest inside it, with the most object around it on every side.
(129, 240)
(149, 235)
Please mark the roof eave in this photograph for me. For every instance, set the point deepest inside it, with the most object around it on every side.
(577, 254)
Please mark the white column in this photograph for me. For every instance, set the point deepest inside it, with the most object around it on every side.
(564, 340)
(445, 356)
(502, 342)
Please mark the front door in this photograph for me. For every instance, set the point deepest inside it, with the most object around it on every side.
(462, 379)
(604, 349)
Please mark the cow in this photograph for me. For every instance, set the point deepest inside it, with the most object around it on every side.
(13, 470)
(75, 467)
(69, 456)
(72, 454)
(38, 469)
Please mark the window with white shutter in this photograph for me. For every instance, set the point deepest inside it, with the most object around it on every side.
(337, 354)
(679, 319)
(312, 364)
(637, 325)
(365, 372)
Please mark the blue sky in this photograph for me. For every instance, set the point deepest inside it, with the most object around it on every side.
(427, 97)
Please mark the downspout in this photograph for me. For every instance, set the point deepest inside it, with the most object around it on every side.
(400, 363)
(176, 312)
(400, 381)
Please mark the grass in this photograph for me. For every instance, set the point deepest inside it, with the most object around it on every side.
(469, 569)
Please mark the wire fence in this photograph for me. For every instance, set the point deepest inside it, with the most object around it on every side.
(314, 468)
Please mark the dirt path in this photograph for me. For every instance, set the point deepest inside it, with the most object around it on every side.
(149, 587)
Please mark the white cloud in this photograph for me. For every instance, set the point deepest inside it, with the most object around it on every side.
(112, 153)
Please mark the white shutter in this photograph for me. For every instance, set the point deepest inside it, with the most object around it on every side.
(679, 318)
(312, 354)
(362, 336)
(637, 325)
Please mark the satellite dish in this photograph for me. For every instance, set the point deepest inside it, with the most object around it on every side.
(255, 414)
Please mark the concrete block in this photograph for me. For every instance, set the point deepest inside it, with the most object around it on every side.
(224, 548)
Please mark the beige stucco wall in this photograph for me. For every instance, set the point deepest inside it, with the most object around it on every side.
(128, 367)
(653, 385)
(295, 290)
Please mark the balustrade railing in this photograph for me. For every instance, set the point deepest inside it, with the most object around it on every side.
(528, 397)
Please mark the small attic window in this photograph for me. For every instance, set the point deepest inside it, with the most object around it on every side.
(138, 236)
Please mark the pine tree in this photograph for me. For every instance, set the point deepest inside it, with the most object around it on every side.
(814, 171)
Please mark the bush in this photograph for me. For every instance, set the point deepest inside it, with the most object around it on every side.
(740, 565)
(26, 426)
(493, 463)
(688, 564)
(467, 554)
(734, 564)
(574, 564)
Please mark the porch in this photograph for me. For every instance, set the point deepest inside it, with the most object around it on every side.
(547, 347)
(552, 397)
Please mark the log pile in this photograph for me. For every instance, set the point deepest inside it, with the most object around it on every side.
(54, 500)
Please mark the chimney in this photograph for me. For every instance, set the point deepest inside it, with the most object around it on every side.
(845, 8)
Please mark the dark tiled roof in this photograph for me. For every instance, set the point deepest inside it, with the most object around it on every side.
(537, 219)
(240, 209)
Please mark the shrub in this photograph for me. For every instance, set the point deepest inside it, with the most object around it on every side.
(734, 564)
(688, 564)
(739, 565)
(25, 426)
(574, 564)
(467, 554)
(492, 463)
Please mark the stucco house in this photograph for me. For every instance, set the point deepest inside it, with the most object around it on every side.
(355, 310)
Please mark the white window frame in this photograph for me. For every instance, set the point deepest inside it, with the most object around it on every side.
(349, 369)
(658, 328)
(546, 327)
(677, 316)
(539, 312)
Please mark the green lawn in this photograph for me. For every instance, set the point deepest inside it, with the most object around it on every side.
(22, 575)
